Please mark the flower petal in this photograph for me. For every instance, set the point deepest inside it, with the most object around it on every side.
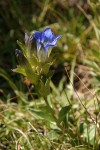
(52, 44)
(57, 38)
(37, 36)
(26, 38)
(47, 35)
(38, 46)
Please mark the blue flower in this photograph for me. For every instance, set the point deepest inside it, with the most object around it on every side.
(45, 39)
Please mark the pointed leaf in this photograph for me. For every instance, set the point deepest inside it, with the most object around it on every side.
(23, 48)
(63, 112)
(20, 70)
(44, 89)
(34, 61)
(45, 68)
(43, 115)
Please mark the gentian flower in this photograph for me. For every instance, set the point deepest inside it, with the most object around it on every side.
(33, 58)
(45, 40)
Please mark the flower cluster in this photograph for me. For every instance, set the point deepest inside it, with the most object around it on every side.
(34, 58)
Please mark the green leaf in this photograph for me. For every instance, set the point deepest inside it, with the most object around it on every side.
(23, 48)
(47, 87)
(34, 61)
(89, 132)
(29, 71)
(31, 75)
(26, 69)
(43, 115)
(45, 68)
(63, 113)
(44, 89)
(52, 135)
(20, 70)
(50, 74)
